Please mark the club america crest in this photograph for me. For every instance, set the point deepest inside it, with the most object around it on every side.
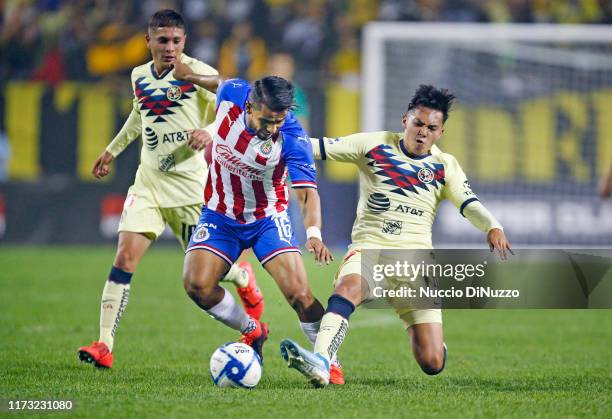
(174, 93)
(425, 175)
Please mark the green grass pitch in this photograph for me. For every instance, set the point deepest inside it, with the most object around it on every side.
(535, 363)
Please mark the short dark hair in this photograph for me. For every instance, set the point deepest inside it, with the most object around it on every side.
(274, 92)
(166, 18)
(431, 97)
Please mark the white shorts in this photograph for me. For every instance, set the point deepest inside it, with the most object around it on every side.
(142, 215)
(351, 264)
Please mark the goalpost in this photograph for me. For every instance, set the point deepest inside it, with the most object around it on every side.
(532, 126)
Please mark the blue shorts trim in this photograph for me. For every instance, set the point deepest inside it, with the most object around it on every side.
(212, 249)
(274, 254)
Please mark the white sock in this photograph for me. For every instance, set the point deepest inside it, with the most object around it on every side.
(114, 301)
(311, 330)
(230, 313)
(238, 276)
(331, 335)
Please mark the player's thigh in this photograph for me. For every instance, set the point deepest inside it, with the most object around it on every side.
(141, 215)
(202, 270)
(182, 221)
(276, 247)
(273, 237)
(212, 235)
(288, 271)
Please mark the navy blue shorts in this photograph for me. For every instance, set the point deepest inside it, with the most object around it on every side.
(227, 238)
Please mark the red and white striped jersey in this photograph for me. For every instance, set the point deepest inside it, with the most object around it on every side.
(247, 178)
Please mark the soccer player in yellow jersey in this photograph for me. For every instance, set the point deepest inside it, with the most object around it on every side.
(408, 176)
(174, 96)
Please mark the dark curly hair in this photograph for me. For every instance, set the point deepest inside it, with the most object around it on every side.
(431, 97)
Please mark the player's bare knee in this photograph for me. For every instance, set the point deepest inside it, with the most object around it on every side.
(196, 285)
(431, 362)
(200, 292)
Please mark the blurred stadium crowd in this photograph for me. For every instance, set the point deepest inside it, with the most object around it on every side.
(56, 40)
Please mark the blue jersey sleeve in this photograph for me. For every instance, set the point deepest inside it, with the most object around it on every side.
(235, 91)
(297, 154)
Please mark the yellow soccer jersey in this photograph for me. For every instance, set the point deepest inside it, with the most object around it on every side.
(164, 110)
(399, 193)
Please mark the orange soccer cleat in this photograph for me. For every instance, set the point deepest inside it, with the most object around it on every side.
(251, 297)
(256, 337)
(97, 353)
(336, 376)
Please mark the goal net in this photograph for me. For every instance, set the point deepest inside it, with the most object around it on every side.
(532, 127)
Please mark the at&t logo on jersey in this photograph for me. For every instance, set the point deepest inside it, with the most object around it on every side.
(150, 137)
(378, 203)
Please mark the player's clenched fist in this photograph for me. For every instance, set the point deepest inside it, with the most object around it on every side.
(101, 166)
(199, 139)
(181, 71)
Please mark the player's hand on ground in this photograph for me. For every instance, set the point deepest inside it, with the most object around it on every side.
(181, 71)
(101, 166)
(497, 241)
(199, 139)
(321, 253)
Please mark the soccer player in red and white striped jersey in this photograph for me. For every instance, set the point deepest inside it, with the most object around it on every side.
(257, 144)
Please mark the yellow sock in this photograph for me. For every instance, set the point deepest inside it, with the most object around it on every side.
(114, 301)
(331, 335)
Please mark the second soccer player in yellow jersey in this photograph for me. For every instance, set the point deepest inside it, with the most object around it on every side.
(403, 177)
(174, 96)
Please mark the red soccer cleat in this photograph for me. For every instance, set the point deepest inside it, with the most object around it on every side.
(251, 297)
(256, 338)
(97, 353)
(336, 376)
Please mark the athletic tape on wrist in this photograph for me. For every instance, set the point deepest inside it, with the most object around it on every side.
(314, 232)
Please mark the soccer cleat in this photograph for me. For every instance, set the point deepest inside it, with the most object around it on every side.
(336, 376)
(313, 366)
(251, 297)
(97, 353)
(256, 338)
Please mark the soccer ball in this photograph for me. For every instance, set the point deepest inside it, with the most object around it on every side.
(235, 365)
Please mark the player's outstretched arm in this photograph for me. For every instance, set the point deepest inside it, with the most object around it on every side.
(183, 72)
(497, 241)
(311, 209)
(101, 166)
